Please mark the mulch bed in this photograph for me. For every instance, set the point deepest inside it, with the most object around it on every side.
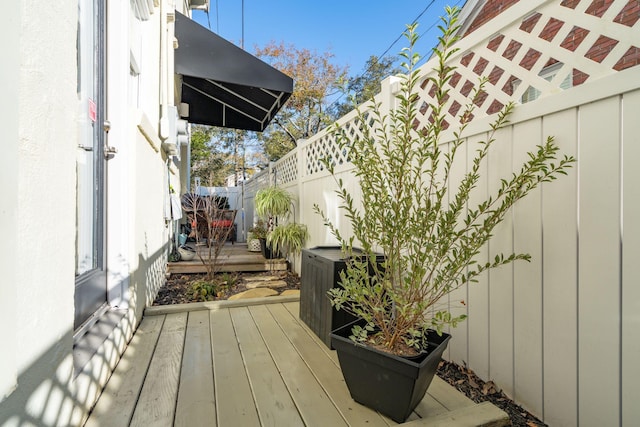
(467, 382)
(177, 291)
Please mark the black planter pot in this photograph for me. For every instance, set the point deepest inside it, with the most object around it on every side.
(389, 384)
(266, 250)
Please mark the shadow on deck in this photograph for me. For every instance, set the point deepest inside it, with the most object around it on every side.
(233, 257)
(250, 363)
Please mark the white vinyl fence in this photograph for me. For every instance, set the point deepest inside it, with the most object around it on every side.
(561, 334)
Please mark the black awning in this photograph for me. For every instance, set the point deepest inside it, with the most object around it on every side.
(223, 84)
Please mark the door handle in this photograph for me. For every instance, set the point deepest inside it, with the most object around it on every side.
(109, 152)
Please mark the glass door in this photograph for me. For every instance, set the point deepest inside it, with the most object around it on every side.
(91, 283)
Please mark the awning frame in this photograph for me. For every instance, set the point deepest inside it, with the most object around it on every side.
(223, 84)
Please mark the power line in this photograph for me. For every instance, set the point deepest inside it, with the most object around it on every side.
(402, 33)
(368, 69)
(396, 41)
(217, 19)
(242, 40)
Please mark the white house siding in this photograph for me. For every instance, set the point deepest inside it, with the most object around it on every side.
(39, 384)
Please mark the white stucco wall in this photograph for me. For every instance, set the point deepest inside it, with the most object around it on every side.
(46, 185)
(38, 242)
(9, 74)
(38, 385)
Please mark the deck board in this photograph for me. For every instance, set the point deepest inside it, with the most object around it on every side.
(274, 404)
(326, 373)
(294, 308)
(196, 397)
(125, 384)
(313, 403)
(234, 401)
(156, 404)
(253, 365)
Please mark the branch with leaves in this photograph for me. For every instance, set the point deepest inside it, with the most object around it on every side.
(426, 226)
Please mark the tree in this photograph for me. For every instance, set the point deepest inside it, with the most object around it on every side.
(305, 113)
(217, 152)
(207, 161)
(363, 87)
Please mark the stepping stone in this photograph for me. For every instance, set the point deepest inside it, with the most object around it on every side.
(290, 293)
(260, 278)
(254, 293)
(269, 284)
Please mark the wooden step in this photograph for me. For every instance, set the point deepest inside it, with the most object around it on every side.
(232, 265)
(232, 258)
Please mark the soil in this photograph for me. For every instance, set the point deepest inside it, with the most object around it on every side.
(177, 291)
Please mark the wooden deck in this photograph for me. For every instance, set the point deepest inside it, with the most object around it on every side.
(227, 364)
(234, 257)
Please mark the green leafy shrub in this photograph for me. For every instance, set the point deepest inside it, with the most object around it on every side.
(204, 290)
(229, 280)
(259, 230)
(426, 225)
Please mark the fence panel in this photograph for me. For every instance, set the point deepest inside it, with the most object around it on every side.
(501, 279)
(599, 263)
(630, 297)
(478, 323)
(558, 334)
(527, 277)
(560, 280)
(458, 299)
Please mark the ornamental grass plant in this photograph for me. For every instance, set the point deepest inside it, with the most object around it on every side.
(413, 212)
(275, 204)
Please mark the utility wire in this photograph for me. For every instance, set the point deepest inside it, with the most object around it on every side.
(402, 33)
(368, 69)
(242, 39)
(217, 19)
(423, 58)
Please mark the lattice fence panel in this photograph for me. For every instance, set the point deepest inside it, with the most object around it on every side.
(287, 168)
(257, 181)
(325, 147)
(549, 48)
(537, 48)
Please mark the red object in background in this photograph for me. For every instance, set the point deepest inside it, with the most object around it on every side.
(93, 112)
(222, 223)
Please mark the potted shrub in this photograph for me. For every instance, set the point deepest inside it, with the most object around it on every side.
(426, 227)
(275, 204)
(257, 232)
(272, 203)
(288, 238)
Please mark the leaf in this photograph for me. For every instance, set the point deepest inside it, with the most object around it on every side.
(489, 388)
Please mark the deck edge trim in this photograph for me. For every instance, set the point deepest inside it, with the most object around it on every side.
(217, 305)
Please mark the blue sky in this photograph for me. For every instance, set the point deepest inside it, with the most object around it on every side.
(352, 30)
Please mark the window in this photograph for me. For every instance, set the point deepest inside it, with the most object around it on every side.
(547, 73)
